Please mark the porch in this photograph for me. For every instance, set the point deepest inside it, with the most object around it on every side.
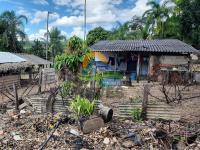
(129, 67)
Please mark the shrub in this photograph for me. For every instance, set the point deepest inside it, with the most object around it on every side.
(66, 88)
(136, 114)
(81, 107)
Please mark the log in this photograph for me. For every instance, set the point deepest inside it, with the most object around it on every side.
(106, 113)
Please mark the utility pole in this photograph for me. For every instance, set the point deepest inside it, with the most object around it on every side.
(85, 21)
(48, 13)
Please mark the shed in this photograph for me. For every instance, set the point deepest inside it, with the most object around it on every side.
(142, 59)
(10, 68)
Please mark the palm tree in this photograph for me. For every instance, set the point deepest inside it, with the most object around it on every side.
(14, 30)
(157, 15)
(55, 45)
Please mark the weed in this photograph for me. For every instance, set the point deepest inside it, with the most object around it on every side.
(136, 114)
(81, 107)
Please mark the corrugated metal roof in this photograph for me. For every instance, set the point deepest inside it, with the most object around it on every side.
(35, 60)
(6, 57)
(165, 45)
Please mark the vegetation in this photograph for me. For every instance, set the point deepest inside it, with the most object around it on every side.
(74, 45)
(69, 61)
(66, 88)
(136, 114)
(81, 107)
(11, 30)
(38, 48)
(55, 44)
(96, 35)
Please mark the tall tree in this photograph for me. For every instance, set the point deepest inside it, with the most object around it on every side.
(156, 16)
(55, 44)
(13, 33)
(38, 48)
(96, 35)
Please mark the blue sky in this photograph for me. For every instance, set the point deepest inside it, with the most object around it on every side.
(68, 14)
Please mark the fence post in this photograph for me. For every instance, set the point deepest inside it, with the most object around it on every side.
(40, 81)
(16, 97)
(145, 102)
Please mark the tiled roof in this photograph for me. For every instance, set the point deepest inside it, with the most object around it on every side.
(165, 45)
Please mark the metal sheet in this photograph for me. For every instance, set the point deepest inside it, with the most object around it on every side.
(6, 57)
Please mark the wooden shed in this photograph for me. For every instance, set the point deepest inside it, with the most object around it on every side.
(10, 69)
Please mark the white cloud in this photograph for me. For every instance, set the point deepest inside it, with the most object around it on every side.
(40, 2)
(38, 35)
(42, 15)
(23, 11)
(61, 2)
(105, 12)
(78, 31)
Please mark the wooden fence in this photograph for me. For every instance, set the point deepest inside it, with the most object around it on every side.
(8, 81)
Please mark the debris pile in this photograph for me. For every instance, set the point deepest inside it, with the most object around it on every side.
(29, 131)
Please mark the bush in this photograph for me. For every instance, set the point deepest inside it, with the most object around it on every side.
(136, 114)
(81, 107)
(66, 88)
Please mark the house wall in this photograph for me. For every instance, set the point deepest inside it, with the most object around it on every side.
(173, 60)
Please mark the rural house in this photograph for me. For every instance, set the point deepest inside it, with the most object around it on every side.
(142, 59)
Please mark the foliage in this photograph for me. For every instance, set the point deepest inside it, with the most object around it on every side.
(74, 45)
(82, 107)
(55, 45)
(66, 88)
(96, 35)
(38, 48)
(11, 31)
(70, 61)
(136, 114)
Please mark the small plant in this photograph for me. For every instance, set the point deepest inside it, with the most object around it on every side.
(81, 107)
(136, 113)
(66, 88)
(137, 99)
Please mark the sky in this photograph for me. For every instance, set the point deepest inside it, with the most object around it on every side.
(67, 15)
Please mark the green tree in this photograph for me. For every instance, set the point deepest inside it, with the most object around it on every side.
(74, 45)
(55, 44)
(156, 17)
(119, 32)
(96, 35)
(13, 35)
(189, 20)
(38, 48)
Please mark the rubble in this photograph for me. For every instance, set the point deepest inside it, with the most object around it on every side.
(31, 131)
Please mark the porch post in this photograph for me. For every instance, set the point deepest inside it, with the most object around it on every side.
(115, 61)
(138, 68)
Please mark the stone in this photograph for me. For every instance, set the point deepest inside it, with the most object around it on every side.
(135, 138)
(94, 123)
(106, 141)
(74, 132)
(128, 144)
